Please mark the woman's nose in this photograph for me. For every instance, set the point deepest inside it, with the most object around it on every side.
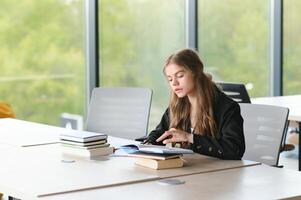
(175, 82)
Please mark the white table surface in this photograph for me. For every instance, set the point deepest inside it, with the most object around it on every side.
(23, 133)
(293, 102)
(255, 182)
(29, 172)
(31, 167)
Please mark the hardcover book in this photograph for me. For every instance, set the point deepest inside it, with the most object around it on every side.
(160, 164)
(87, 152)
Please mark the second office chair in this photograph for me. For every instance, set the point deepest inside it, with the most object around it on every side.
(119, 112)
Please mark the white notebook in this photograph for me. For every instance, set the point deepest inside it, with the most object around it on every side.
(84, 144)
(86, 147)
(82, 136)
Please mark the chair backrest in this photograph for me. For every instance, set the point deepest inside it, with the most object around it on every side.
(264, 128)
(119, 112)
(236, 91)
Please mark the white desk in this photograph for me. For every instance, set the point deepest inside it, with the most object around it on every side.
(22, 133)
(293, 102)
(32, 169)
(256, 182)
(36, 171)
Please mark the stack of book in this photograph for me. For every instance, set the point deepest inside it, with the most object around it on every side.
(156, 157)
(84, 143)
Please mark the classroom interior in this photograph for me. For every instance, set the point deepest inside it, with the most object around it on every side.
(54, 53)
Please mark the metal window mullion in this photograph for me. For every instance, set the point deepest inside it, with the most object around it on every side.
(191, 24)
(92, 56)
(276, 46)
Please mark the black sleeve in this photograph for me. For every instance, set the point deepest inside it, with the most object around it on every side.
(160, 129)
(230, 144)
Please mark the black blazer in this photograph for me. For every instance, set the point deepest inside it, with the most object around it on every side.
(230, 141)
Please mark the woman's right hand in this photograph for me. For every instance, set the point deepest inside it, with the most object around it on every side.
(175, 135)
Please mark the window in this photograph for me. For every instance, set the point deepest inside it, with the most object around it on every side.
(234, 42)
(135, 38)
(42, 58)
(291, 47)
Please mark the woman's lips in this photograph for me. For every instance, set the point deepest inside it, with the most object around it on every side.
(178, 90)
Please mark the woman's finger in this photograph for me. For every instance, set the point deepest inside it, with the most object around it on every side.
(167, 141)
(165, 135)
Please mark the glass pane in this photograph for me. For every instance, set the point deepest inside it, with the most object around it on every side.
(135, 38)
(291, 47)
(234, 42)
(42, 58)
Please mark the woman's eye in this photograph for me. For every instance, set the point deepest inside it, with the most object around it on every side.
(169, 80)
(180, 75)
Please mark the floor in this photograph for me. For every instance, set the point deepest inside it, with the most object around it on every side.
(289, 159)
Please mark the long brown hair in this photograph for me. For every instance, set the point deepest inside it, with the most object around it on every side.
(179, 108)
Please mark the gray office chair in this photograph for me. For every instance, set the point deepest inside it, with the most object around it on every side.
(236, 91)
(119, 112)
(264, 129)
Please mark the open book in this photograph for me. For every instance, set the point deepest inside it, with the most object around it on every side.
(155, 149)
(151, 151)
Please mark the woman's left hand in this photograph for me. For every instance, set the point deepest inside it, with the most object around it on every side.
(175, 135)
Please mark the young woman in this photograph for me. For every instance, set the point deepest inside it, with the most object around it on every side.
(200, 116)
